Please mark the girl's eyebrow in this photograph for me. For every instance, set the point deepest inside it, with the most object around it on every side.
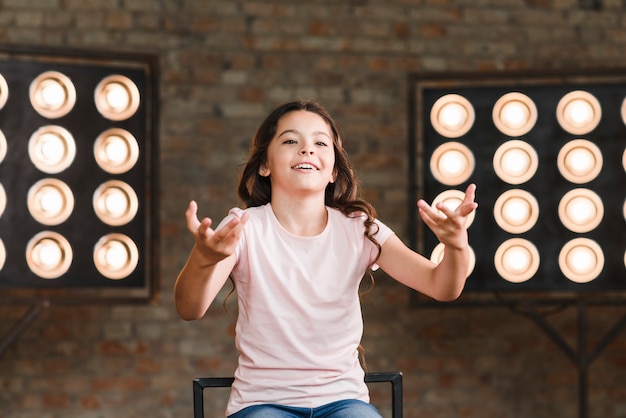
(295, 131)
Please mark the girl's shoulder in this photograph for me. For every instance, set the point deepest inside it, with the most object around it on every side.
(254, 213)
(356, 220)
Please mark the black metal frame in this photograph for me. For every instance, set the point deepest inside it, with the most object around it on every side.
(395, 378)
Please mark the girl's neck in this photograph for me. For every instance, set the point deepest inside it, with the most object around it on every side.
(304, 217)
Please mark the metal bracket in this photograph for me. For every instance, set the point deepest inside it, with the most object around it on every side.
(26, 320)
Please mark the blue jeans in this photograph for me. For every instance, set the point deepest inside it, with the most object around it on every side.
(349, 408)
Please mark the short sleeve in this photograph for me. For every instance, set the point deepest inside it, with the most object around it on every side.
(234, 212)
(383, 233)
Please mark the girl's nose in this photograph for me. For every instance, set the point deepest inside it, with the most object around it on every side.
(306, 151)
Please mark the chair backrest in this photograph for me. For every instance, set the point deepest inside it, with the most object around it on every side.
(395, 378)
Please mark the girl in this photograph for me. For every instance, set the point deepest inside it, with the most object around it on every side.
(297, 254)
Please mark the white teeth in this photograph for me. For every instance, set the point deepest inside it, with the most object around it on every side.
(305, 166)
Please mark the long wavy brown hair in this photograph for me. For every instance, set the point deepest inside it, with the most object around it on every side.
(343, 194)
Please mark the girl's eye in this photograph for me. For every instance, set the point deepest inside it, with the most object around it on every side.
(289, 141)
(322, 143)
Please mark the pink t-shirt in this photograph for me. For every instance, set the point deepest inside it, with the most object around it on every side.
(300, 320)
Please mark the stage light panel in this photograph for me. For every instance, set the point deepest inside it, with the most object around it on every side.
(515, 161)
(452, 163)
(81, 218)
(514, 114)
(550, 167)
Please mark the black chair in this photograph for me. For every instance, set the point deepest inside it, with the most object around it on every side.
(395, 378)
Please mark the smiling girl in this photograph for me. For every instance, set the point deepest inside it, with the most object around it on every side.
(297, 254)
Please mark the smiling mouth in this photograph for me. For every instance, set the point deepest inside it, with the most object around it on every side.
(304, 166)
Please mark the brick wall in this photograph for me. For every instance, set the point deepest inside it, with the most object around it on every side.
(225, 64)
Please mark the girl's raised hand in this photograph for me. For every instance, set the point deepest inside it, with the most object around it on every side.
(213, 245)
(450, 227)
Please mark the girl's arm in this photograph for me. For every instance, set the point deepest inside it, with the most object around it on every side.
(443, 281)
(210, 262)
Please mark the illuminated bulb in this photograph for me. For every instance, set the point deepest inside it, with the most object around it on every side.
(50, 201)
(452, 163)
(578, 112)
(516, 211)
(51, 149)
(48, 255)
(4, 91)
(452, 115)
(115, 203)
(3, 200)
(52, 94)
(515, 161)
(581, 260)
(580, 161)
(3, 255)
(115, 256)
(581, 210)
(116, 151)
(117, 97)
(516, 260)
(514, 114)
(3, 146)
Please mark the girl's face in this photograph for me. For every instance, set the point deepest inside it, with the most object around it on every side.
(301, 155)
